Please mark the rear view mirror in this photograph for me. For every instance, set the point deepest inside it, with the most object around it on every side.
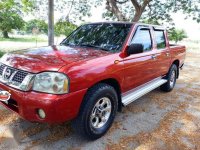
(135, 49)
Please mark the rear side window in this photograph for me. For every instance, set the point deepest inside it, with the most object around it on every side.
(143, 37)
(160, 39)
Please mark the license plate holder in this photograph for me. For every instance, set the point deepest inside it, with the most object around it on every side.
(5, 96)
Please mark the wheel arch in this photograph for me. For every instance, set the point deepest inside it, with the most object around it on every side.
(115, 84)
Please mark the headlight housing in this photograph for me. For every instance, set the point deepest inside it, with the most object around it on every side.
(51, 82)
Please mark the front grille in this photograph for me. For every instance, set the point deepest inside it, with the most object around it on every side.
(11, 75)
(19, 76)
(2, 67)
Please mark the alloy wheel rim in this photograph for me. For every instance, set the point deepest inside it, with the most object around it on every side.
(172, 79)
(101, 112)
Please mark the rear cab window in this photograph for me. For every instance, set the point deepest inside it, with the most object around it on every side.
(143, 36)
(160, 39)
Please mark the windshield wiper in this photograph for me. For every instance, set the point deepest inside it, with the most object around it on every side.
(65, 44)
(89, 45)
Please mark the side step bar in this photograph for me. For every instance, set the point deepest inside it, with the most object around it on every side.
(138, 92)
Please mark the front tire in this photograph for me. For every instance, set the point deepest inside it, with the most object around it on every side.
(97, 112)
(171, 79)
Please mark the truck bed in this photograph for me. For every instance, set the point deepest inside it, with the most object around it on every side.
(178, 52)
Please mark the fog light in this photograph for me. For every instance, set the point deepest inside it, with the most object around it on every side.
(41, 113)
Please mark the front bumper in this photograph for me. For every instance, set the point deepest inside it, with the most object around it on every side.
(58, 108)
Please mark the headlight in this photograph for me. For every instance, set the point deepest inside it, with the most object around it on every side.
(51, 82)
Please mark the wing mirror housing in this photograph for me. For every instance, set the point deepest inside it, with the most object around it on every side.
(135, 49)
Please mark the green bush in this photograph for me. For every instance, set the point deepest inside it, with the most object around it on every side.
(41, 25)
(64, 28)
(177, 35)
(1, 53)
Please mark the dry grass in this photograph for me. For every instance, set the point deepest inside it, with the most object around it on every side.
(56, 133)
(150, 140)
(163, 134)
(7, 117)
(33, 130)
(116, 125)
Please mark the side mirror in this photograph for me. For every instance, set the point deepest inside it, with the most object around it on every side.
(135, 49)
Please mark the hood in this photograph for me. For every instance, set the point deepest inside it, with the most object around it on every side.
(50, 58)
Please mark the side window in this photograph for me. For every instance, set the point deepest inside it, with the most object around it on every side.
(143, 36)
(160, 39)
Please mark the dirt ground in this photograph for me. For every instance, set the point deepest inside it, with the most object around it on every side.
(158, 120)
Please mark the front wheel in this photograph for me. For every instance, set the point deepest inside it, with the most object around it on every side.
(171, 79)
(97, 111)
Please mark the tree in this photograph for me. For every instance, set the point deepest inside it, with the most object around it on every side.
(64, 28)
(74, 9)
(134, 10)
(130, 10)
(10, 14)
(41, 25)
(113, 7)
(10, 20)
(177, 35)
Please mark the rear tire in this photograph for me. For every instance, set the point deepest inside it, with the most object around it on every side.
(97, 112)
(171, 79)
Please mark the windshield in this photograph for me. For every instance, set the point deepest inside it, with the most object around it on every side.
(109, 37)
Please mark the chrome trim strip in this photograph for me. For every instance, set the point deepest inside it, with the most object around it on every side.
(138, 92)
(4, 70)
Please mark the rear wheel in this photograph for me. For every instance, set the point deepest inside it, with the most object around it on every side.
(97, 111)
(171, 79)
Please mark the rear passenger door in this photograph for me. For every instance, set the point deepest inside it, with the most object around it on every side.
(162, 50)
(140, 68)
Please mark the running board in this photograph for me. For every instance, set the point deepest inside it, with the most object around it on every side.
(138, 92)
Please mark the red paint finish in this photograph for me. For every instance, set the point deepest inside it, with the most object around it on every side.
(58, 108)
(49, 58)
(86, 74)
(85, 67)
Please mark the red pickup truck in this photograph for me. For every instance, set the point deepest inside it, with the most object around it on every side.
(91, 75)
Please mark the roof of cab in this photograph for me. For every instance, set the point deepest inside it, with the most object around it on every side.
(157, 27)
(112, 22)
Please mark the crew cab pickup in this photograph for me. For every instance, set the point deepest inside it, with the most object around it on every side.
(92, 74)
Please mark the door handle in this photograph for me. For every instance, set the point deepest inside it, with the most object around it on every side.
(153, 57)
